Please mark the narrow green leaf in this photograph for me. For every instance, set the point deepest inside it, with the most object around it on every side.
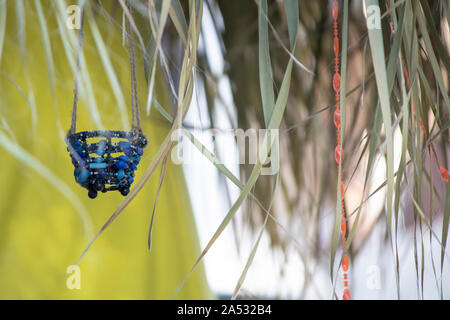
(157, 34)
(178, 19)
(291, 8)
(2, 26)
(442, 52)
(377, 49)
(249, 260)
(433, 60)
(21, 23)
(374, 137)
(161, 179)
(265, 70)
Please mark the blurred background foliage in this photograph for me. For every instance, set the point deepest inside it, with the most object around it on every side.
(46, 219)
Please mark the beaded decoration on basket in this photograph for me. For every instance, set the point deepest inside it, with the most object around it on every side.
(105, 160)
(106, 165)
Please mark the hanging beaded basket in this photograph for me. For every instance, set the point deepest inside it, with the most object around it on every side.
(106, 160)
(107, 164)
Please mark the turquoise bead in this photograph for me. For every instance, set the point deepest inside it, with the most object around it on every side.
(97, 165)
(101, 147)
(120, 174)
(137, 159)
(81, 175)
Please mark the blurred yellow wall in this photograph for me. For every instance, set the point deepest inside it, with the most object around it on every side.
(41, 231)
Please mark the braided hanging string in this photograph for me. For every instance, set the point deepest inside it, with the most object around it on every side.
(135, 115)
(136, 119)
(444, 171)
(339, 150)
(73, 127)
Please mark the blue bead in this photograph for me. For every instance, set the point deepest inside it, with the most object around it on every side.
(97, 165)
(82, 155)
(84, 176)
(130, 180)
(120, 174)
(120, 165)
(101, 148)
(124, 158)
(124, 145)
(99, 160)
(78, 150)
(81, 174)
(100, 151)
(129, 152)
(137, 159)
(77, 146)
(132, 166)
(77, 171)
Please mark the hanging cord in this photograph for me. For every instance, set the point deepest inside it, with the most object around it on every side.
(338, 153)
(135, 115)
(77, 74)
(136, 119)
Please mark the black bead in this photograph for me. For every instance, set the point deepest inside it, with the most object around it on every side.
(141, 141)
(92, 194)
(124, 191)
(99, 185)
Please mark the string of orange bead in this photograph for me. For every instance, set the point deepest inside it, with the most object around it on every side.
(338, 153)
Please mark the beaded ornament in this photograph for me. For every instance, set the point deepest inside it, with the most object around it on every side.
(96, 167)
(105, 160)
